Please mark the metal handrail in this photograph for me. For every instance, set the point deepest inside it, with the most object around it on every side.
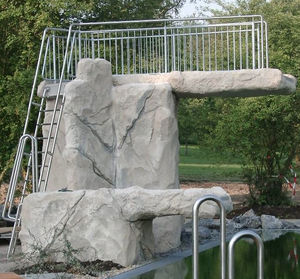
(222, 236)
(33, 164)
(168, 47)
(260, 252)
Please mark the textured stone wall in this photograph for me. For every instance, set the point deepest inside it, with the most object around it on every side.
(106, 224)
(118, 137)
(115, 136)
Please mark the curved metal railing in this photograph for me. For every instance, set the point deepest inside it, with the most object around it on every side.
(196, 236)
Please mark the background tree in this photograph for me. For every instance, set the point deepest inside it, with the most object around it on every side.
(264, 131)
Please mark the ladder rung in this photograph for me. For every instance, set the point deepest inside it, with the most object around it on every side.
(46, 124)
(49, 110)
(26, 154)
(36, 104)
(42, 138)
(46, 166)
(40, 152)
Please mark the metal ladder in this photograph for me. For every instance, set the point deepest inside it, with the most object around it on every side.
(37, 161)
(231, 245)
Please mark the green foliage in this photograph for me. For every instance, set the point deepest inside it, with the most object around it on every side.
(263, 132)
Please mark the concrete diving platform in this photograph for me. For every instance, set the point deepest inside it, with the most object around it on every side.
(200, 84)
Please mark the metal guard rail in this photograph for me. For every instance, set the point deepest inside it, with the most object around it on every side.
(197, 44)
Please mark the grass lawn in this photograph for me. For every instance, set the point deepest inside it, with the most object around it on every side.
(204, 164)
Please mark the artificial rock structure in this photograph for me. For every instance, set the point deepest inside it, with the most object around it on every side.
(117, 132)
(106, 224)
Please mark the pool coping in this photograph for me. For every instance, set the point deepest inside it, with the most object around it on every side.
(164, 260)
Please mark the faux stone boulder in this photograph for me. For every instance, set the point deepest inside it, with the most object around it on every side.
(146, 136)
(89, 132)
(105, 224)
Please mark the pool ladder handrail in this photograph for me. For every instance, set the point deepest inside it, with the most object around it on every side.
(32, 166)
(195, 234)
(260, 252)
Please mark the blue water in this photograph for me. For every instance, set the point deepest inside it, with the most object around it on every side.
(281, 261)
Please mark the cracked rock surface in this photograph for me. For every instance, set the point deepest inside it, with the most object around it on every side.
(106, 224)
(115, 136)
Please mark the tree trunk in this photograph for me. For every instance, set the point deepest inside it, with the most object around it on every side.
(186, 148)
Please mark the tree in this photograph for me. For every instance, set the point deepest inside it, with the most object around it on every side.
(265, 131)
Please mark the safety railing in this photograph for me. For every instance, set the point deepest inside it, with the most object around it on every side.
(231, 245)
(156, 46)
(16, 193)
(196, 236)
(260, 252)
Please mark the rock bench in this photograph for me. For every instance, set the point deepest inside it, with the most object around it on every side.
(105, 224)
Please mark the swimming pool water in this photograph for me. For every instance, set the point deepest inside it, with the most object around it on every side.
(281, 261)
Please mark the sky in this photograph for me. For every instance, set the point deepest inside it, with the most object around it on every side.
(189, 9)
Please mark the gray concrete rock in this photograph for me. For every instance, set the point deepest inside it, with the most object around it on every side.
(199, 84)
(146, 131)
(270, 222)
(248, 220)
(106, 224)
(167, 232)
(89, 133)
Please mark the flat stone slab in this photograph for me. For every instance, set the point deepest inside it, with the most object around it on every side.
(199, 84)
(105, 224)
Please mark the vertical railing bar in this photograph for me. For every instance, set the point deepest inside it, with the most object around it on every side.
(178, 51)
(44, 69)
(203, 50)
(110, 46)
(197, 50)
(79, 46)
(122, 52)
(266, 44)
(98, 45)
(262, 42)
(93, 46)
(240, 42)
(159, 52)
(216, 60)
(209, 50)
(247, 49)
(116, 53)
(76, 54)
(234, 57)
(222, 50)
(258, 50)
(253, 47)
(54, 57)
(140, 52)
(58, 54)
(184, 52)
(50, 62)
(134, 51)
(128, 53)
(173, 51)
(228, 50)
(146, 51)
(104, 45)
(191, 50)
(165, 48)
